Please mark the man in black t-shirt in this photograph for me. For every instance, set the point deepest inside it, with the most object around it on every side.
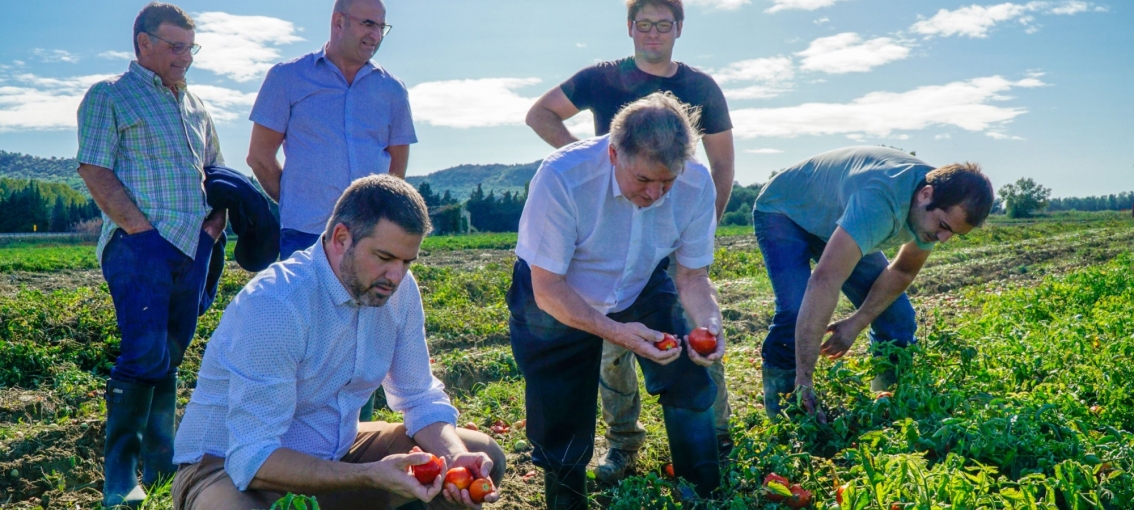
(604, 89)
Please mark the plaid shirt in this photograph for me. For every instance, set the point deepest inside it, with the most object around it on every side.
(157, 144)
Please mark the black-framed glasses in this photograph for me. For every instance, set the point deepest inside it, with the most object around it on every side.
(370, 25)
(663, 26)
(178, 48)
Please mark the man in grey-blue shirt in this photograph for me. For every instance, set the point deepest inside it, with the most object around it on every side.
(337, 115)
(841, 209)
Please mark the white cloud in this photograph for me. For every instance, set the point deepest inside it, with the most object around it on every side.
(975, 20)
(471, 103)
(223, 104)
(582, 125)
(764, 151)
(242, 48)
(807, 5)
(966, 105)
(945, 136)
(31, 102)
(719, 4)
(848, 53)
(772, 77)
(773, 69)
(55, 55)
(116, 55)
(821, 21)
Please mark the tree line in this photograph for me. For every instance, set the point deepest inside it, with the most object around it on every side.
(35, 206)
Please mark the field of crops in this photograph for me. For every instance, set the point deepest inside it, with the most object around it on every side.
(1019, 395)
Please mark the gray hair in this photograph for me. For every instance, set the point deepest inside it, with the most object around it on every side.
(658, 127)
(154, 14)
(371, 199)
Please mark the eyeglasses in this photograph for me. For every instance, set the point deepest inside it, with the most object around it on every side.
(663, 26)
(370, 25)
(178, 48)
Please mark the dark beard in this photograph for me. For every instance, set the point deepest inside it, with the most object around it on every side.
(359, 291)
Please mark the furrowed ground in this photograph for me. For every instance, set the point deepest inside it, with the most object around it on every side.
(1018, 396)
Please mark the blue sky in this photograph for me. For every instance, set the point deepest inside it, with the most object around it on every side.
(1026, 88)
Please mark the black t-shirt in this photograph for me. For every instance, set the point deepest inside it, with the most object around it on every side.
(606, 87)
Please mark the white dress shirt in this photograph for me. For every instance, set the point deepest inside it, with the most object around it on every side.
(577, 223)
(294, 359)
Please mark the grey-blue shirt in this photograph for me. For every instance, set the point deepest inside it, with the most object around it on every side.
(865, 190)
(334, 132)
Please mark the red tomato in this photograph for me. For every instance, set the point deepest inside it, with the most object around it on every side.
(669, 471)
(459, 476)
(883, 394)
(668, 342)
(781, 481)
(800, 497)
(429, 471)
(702, 341)
(471, 426)
(480, 488)
(520, 424)
(839, 494)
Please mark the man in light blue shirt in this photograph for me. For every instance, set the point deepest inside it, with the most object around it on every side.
(301, 349)
(841, 209)
(337, 115)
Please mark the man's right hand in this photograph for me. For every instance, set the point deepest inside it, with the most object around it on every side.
(392, 474)
(807, 399)
(643, 341)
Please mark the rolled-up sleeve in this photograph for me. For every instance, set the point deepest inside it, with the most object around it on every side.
(548, 225)
(262, 358)
(410, 386)
(696, 248)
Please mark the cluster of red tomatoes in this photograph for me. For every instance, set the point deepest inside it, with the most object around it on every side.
(700, 339)
(478, 487)
(779, 489)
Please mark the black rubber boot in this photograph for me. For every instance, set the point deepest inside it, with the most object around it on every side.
(777, 382)
(693, 445)
(157, 443)
(567, 491)
(127, 409)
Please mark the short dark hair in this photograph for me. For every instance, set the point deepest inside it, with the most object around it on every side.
(373, 198)
(961, 184)
(658, 127)
(674, 6)
(154, 14)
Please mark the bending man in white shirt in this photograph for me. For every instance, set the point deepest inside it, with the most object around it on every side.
(301, 349)
(601, 215)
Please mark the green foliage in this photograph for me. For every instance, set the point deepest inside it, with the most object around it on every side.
(23, 166)
(295, 502)
(1024, 198)
(27, 206)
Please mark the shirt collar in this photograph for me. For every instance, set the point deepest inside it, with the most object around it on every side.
(366, 69)
(149, 76)
(327, 278)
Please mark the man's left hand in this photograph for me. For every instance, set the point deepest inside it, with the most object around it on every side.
(843, 334)
(714, 327)
(480, 466)
(216, 222)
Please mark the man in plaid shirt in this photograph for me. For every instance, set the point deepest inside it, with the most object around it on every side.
(144, 141)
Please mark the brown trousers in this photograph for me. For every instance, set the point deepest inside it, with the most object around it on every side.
(206, 486)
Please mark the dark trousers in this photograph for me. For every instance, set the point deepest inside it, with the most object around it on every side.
(157, 294)
(560, 365)
(788, 251)
(292, 240)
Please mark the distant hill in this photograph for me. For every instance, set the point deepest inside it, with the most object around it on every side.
(15, 165)
(462, 180)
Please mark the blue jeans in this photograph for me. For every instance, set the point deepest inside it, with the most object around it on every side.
(156, 291)
(560, 365)
(788, 251)
(292, 240)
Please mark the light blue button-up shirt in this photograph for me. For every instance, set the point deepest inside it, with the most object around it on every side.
(293, 360)
(334, 132)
